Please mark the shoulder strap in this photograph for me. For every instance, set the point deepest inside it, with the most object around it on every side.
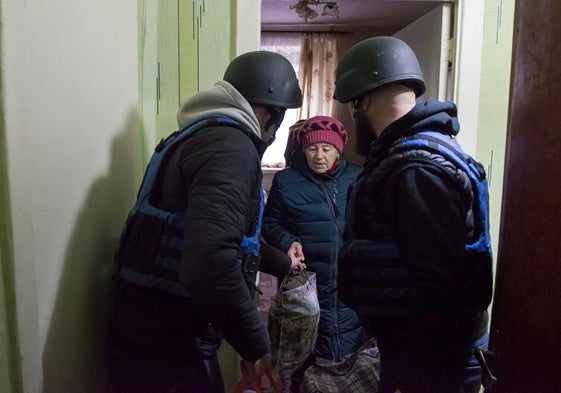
(334, 210)
(434, 142)
(172, 140)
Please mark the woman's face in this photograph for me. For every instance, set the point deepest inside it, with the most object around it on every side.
(321, 157)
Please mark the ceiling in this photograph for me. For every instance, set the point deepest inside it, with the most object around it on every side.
(381, 16)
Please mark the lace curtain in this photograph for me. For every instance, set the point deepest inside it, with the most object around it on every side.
(314, 57)
(288, 45)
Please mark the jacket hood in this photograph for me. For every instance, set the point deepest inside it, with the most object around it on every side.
(221, 99)
(435, 115)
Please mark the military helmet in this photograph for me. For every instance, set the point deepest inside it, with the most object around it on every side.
(265, 78)
(376, 62)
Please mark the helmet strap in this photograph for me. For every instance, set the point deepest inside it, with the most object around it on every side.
(355, 108)
(277, 116)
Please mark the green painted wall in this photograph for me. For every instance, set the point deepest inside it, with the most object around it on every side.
(494, 100)
(184, 47)
(9, 360)
(214, 42)
(9, 348)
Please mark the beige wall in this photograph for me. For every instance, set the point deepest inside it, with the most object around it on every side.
(70, 94)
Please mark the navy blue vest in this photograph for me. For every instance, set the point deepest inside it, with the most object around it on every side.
(150, 246)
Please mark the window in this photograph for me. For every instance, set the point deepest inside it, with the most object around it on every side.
(289, 45)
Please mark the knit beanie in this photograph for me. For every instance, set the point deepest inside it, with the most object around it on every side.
(322, 129)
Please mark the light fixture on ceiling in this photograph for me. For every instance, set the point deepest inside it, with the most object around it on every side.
(302, 8)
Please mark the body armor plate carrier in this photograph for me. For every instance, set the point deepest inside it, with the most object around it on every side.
(150, 247)
(364, 265)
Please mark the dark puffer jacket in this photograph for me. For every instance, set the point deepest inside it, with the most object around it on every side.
(297, 211)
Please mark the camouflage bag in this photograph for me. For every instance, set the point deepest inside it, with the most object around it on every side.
(293, 324)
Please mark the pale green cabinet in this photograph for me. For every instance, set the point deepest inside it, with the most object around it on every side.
(184, 47)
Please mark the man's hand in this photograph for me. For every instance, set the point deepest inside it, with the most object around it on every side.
(256, 370)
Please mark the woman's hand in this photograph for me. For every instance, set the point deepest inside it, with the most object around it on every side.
(296, 256)
(297, 264)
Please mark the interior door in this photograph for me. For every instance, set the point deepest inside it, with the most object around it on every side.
(526, 315)
(425, 35)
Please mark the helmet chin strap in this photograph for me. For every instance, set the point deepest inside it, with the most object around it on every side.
(277, 116)
(354, 110)
(268, 125)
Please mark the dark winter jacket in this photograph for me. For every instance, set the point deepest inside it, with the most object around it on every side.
(215, 177)
(415, 207)
(297, 211)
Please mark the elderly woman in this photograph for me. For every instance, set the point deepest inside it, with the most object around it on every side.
(304, 217)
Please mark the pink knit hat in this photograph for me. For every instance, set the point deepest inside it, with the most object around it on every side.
(322, 129)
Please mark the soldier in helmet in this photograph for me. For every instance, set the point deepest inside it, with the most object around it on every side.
(189, 252)
(417, 262)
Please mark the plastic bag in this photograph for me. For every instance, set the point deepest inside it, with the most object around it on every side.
(293, 324)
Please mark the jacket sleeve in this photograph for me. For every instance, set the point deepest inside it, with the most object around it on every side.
(224, 181)
(274, 261)
(274, 230)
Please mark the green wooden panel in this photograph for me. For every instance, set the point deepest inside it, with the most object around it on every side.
(214, 42)
(188, 48)
(205, 43)
(494, 100)
(148, 70)
(168, 68)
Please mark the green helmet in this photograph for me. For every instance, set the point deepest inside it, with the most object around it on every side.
(376, 62)
(265, 78)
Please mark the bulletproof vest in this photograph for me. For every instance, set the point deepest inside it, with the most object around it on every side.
(150, 247)
(363, 258)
